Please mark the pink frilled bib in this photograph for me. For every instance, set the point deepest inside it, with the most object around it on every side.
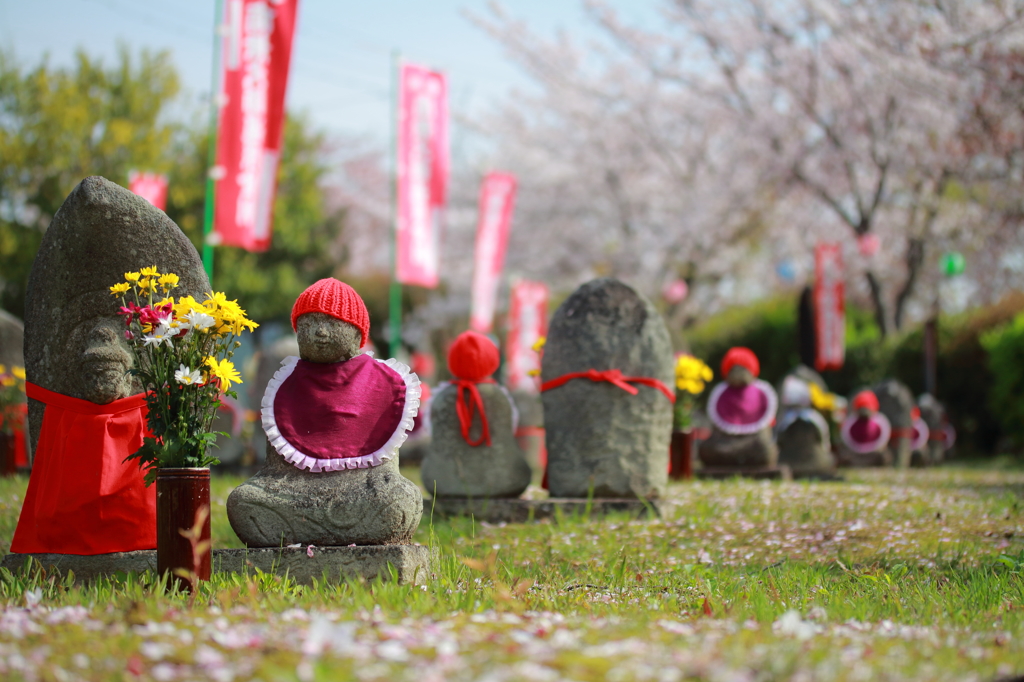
(866, 434)
(921, 434)
(352, 414)
(742, 410)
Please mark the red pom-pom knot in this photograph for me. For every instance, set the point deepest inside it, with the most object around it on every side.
(337, 299)
(472, 359)
(866, 399)
(744, 357)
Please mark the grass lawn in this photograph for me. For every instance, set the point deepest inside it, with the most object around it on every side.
(915, 575)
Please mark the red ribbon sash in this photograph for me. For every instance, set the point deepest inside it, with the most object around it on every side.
(614, 377)
(466, 409)
(907, 432)
(82, 497)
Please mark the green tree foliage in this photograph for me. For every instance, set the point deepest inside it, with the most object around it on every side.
(1005, 348)
(60, 125)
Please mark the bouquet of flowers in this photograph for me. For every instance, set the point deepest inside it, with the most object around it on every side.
(182, 352)
(12, 399)
(692, 376)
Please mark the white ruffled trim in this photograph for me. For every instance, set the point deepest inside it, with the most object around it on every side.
(806, 414)
(386, 453)
(922, 434)
(864, 448)
(743, 429)
(508, 396)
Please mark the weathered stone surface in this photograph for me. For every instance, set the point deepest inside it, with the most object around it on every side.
(602, 440)
(12, 339)
(454, 468)
(408, 563)
(743, 451)
(896, 401)
(802, 450)
(74, 341)
(520, 511)
(284, 505)
(323, 338)
(85, 567)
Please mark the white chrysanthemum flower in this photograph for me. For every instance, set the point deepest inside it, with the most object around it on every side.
(188, 377)
(199, 320)
(161, 334)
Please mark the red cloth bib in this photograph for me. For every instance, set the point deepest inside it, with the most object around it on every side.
(82, 497)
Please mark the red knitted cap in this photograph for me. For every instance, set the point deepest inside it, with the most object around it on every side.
(473, 357)
(744, 357)
(915, 413)
(866, 399)
(337, 299)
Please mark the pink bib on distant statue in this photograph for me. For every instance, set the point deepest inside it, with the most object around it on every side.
(866, 434)
(340, 415)
(742, 410)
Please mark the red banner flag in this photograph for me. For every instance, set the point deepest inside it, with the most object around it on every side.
(150, 186)
(257, 47)
(527, 323)
(829, 307)
(422, 173)
(497, 196)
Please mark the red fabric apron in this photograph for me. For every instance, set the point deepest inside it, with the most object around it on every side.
(82, 498)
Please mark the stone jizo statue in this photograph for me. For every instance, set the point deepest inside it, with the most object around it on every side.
(803, 435)
(741, 409)
(85, 413)
(473, 450)
(335, 419)
(865, 434)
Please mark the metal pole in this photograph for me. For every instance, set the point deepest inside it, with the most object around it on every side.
(211, 184)
(395, 292)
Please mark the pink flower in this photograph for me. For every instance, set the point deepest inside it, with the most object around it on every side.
(129, 313)
(128, 335)
(309, 551)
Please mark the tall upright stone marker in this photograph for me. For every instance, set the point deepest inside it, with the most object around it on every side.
(607, 377)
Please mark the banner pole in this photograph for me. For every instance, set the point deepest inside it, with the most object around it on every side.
(395, 292)
(211, 183)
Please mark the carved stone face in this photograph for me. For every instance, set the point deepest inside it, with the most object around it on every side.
(323, 338)
(103, 361)
(739, 376)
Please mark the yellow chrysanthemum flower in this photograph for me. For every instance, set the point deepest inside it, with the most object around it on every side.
(168, 281)
(692, 374)
(539, 343)
(8, 380)
(19, 372)
(3, 369)
(119, 289)
(151, 271)
(132, 277)
(225, 371)
(164, 301)
(148, 285)
(185, 305)
(822, 400)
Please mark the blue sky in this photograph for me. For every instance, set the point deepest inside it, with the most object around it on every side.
(342, 61)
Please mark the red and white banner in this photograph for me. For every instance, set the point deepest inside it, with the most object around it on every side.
(422, 174)
(497, 196)
(829, 307)
(257, 48)
(150, 186)
(527, 322)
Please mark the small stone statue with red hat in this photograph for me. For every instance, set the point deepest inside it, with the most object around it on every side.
(473, 451)
(865, 434)
(742, 410)
(335, 419)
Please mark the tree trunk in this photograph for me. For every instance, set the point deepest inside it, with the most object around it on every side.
(877, 302)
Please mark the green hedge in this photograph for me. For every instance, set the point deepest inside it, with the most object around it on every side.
(974, 349)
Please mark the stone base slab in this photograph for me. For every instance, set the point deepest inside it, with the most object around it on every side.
(781, 472)
(408, 563)
(516, 510)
